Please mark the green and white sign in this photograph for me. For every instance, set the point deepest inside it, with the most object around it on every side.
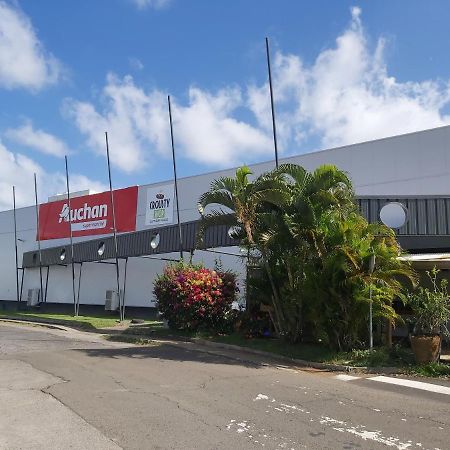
(159, 207)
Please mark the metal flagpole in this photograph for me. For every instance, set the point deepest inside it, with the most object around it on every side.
(46, 284)
(274, 128)
(15, 245)
(370, 318)
(75, 305)
(21, 284)
(116, 250)
(38, 237)
(175, 177)
(79, 283)
(371, 269)
(124, 285)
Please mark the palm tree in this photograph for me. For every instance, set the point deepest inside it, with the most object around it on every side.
(292, 236)
(278, 213)
(314, 246)
(239, 203)
(236, 201)
(342, 279)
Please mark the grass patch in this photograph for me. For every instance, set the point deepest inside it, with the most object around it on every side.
(156, 329)
(309, 352)
(395, 356)
(432, 370)
(87, 323)
(144, 334)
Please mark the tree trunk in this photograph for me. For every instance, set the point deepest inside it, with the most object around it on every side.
(275, 297)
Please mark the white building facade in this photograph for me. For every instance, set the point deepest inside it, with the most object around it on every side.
(416, 164)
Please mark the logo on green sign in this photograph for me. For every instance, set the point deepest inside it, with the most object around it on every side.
(159, 213)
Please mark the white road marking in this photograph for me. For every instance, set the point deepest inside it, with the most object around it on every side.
(337, 425)
(363, 433)
(343, 377)
(412, 384)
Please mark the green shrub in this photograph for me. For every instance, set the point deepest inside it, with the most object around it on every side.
(378, 357)
(432, 370)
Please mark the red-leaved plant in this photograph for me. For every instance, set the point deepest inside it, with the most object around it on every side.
(191, 297)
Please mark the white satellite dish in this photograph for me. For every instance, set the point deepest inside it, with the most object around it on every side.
(394, 215)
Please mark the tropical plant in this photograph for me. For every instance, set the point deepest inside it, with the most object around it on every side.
(291, 236)
(239, 203)
(236, 201)
(313, 247)
(340, 281)
(191, 297)
(431, 307)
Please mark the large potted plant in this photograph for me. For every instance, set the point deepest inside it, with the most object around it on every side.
(431, 309)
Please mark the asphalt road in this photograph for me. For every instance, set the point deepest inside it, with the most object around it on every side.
(72, 390)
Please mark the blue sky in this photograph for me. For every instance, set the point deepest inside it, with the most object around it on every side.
(344, 72)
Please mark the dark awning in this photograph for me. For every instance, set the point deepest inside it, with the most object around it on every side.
(427, 229)
(134, 244)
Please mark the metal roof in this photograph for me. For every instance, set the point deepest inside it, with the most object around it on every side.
(133, 244)
(427, 229)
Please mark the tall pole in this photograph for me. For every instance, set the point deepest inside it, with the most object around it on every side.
(15, 246)
(38, 237)
(371, 270)
(370, 318)
(125, 285)
(116, 250)
(175, 177)
(76, 305)
(46, 284)
(79, 283)
(274, 128)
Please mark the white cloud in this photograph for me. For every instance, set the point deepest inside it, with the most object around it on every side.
(209, 134)
(24, 63)
(155, 4)
(38, 140)
(77, 181)
(135, 63)
(18, 170)
(134, 120)
(347, 95)
(138, 126)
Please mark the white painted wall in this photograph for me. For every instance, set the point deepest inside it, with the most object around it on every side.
(412, 164)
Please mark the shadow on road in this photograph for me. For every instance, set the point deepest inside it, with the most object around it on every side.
(168, 352)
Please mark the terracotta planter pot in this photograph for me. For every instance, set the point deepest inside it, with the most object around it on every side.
(426, 348)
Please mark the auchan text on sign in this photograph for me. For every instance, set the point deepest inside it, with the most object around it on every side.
(89, 215)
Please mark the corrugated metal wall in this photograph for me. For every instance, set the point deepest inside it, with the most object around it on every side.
(426, 217)
(133, 244)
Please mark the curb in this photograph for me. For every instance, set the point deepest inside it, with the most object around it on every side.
(284, 359)
(218, 345)
(297, 362)
(39, 323)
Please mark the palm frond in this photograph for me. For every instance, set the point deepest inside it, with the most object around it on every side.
(214, 218)
(223, 198)
(224, 184)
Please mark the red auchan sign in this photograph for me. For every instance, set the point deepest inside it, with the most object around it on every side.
(89, 215)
